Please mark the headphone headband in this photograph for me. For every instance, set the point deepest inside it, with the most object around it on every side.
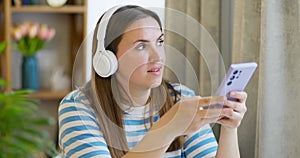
(105, 62)
(101, 33)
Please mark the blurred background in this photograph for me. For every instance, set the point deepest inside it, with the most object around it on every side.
(263, 31)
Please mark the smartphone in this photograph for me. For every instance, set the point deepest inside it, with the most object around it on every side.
(236, 78)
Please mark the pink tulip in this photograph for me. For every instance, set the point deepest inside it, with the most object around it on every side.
(51, 34)
(33, 30)
(17, 33)
(24, 28)
(38, 34)
(43, 32)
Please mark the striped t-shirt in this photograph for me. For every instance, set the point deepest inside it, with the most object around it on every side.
(80, 135)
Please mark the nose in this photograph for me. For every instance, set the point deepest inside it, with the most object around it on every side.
(157, 54)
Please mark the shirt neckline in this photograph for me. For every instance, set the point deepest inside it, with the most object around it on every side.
(137, 111)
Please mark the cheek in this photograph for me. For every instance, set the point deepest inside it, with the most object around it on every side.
(131, 64)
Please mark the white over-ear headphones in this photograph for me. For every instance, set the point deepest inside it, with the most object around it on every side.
(105, 62)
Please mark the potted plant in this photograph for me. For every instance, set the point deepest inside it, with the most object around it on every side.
(20, 124)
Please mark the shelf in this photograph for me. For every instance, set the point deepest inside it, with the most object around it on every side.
(48, 95)
(74, 17)
(48, 9)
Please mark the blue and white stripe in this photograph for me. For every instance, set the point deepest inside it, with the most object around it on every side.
(80, 135)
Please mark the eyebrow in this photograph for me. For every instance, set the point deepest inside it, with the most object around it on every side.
(142, 40)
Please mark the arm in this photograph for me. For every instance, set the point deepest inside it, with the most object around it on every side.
(179, 120)
(160, 136)
(228, 143)
(82, 137)
(79, 134)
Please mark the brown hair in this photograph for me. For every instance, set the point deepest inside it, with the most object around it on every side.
(108, 112)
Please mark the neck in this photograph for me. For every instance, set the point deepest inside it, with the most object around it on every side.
(140, 96)
(132, 95)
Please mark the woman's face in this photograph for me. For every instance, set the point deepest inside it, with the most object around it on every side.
(141, 54)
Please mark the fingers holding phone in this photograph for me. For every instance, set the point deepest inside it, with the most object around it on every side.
(235, 111)
(232, 86)
(186, 117)
(205, 115)
(239, 102)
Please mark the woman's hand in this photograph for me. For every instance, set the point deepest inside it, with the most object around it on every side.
(232, 116)
(187, 116)
(205, 115)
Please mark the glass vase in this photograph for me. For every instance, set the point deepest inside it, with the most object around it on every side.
(30, 76)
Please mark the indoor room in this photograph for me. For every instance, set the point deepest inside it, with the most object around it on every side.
(200, 78)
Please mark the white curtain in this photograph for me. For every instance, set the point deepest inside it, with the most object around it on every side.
(182, 35)
(267, 31)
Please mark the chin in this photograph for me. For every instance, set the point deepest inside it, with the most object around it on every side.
(155, 84)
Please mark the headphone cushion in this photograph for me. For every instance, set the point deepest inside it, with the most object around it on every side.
(113, 60)
(105, 63)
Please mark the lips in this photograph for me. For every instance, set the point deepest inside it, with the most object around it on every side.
(155, 69)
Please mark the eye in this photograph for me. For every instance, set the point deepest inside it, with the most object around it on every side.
(160, 42)
(141, 46)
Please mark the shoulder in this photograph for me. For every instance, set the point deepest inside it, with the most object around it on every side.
(79, 132)
(183, 89)
(76, 114)
(75, 101)
(74, 96)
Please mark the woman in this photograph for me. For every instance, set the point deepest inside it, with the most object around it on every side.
(134, 112)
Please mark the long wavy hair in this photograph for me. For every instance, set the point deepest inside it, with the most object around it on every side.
(106, 107)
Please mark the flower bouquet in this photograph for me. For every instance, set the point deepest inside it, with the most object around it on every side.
(31, 37)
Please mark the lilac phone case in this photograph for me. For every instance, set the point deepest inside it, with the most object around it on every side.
(236, 78)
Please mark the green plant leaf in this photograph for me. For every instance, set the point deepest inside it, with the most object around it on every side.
(12, 149)
(51, 150)
(3, 83)
(30, 46)
(20, 125)
(30, 143)
(3, 46)
(35, 132)
(24, 91)
(43, 121)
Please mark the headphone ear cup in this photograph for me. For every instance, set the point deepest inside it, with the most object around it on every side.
(113, 61)
(105, 63)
